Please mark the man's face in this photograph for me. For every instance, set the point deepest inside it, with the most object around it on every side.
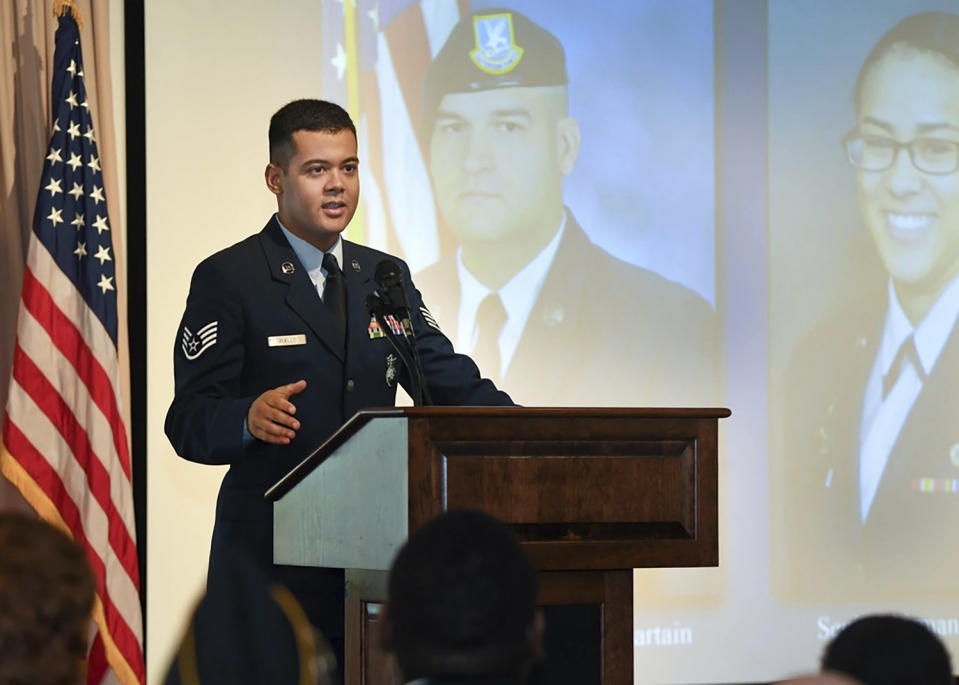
(497, 158)
(318, 191)
(913, 216)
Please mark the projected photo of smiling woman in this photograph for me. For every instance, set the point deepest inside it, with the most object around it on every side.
(872, 475)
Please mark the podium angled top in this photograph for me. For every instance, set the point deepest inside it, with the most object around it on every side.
(583, 488)
(477, 414)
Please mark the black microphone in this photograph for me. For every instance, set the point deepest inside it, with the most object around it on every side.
(389, 282)
(389, 296)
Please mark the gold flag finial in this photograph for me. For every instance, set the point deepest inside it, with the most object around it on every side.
(61, 7)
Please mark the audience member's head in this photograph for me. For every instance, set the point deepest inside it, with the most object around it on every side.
(826, 678)
(46, 600)
(462, 602)
(889, 650)
(246, 630)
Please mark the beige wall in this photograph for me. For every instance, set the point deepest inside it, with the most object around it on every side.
(215, 72)
(118, 76)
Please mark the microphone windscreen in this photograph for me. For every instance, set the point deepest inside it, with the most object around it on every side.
(388, 273)
(389, 281)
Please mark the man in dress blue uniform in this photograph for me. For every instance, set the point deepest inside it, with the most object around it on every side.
(276, 348)
(527, 294)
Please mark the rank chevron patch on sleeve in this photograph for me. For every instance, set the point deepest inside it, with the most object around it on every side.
(195, 344)
(429, 317)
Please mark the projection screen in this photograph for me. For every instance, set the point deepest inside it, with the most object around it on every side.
(765, 233)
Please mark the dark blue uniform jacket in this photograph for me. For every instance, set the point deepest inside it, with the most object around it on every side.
(239, 299)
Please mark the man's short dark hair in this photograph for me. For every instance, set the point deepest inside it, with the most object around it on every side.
(304, 115)
(46, 601)
(889, 650)
(462, 600)
(932, 32)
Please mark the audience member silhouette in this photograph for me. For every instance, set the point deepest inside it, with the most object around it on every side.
(825, 678)
(247, 630)
(462, 604)
(889, 650)
(46, 601)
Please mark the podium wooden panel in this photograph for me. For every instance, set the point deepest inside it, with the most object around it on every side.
(591, 493)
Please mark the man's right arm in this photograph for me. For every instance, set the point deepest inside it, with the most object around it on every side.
(205, 421)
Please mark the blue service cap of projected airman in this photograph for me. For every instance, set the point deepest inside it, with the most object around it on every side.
(494, 48)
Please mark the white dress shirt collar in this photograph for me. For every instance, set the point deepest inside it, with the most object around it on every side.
(930, 335)
(312, 258)
(518, 296)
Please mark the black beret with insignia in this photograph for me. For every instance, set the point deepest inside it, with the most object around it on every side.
(494, 48)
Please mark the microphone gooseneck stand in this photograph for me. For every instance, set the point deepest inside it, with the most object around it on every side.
(380, 308)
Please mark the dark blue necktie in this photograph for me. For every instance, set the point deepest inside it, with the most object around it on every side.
(334, 295)
(907, 352)
(490, 320)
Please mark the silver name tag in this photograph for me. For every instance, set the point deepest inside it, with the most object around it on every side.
(286, 340)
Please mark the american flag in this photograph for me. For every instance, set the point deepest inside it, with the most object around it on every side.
(375, 55)
(64, 440)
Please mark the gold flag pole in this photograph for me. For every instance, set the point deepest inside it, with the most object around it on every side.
(61, 7)
(357, 229)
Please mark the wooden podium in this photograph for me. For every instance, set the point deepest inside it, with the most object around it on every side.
(591, 493)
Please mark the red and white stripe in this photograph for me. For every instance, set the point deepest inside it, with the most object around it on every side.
(65, 445)
(391, 118)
